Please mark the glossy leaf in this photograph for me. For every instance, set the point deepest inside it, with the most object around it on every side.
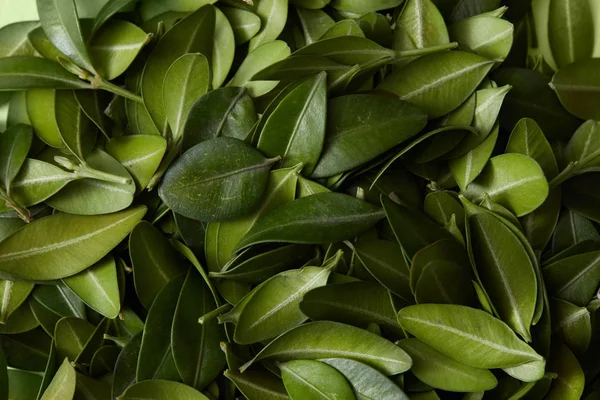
(573, 324)
(582, 148)
(186, 80)
(115, 46)
(348, 50)
(322, 217)
(98, 287)
(314, 24)
(354, 303)
(487, 36)
(63, 383)
(109, 9)
(467, 335)
(360, 128)
(154, 262)
(228, 184)
(185, 37)
(77, 243)
(273, 15)
(14, 146)
(440, 82)
(93, 103)
(13, 294)
(366, 381)
(570, 31)
(71, 335)
(40, 108)
(258, 59)
(308, 379)
(74, 127)
(295, 130)
(245, 24)
(574, 278)
(161, 389)
(14, 39)
(196, 350)
(442, 372)
(514, 181)
(223, 51)
(28, 351)
(420, 25)
(28, 72)
(577, 88)
(505, 270)
(60, 300)
(126, 366)
(221, 112)
(323, 339)
(60, 22)
(256, 385)
(360, 7)
(570, 382)
(156, 354)
(139, 154)
(274, 307)
(467, 167)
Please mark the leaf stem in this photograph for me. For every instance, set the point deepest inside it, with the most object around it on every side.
(22, 212)
(85, 171)
(99, 83)
(209, 316)
(426, 50)
(570, 171)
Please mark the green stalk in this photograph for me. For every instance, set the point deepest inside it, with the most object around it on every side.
(570, 171)
(85, 171)
(22, 212)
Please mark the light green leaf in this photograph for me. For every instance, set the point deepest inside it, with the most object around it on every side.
(470, 336)
(245, 24)
(465, 169)
(98, 287)
(61, 24)
(486, 36)
(362, 7)
(28, 72)
(14, 146)
(62, 385)
(94, 103)
(314, 380)
(258, 59)
(74, 126)
(514, 181)
(570, 382)
(570, 31)
(109, 9)
(77, 242)
(14, 40)
(273, 15)
(419, 25)
(439, 82)
(12, 295)
(186, 80)
(40, 107)
(114, 47)
(223, 49)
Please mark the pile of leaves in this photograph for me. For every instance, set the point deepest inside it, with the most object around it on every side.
(345, 199)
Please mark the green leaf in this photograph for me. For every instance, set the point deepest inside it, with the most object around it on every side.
(185, 37)
(362, 127)
(514, 181)
(527, 138)
(420, 25)
(413, 229)
(258, 385)
(367, 382)
(3, 377)
(468, 167)
(225, 111)
(63, 383)
(353, 303)
(505, 270)
(23, 385)
(222, 237)
(581, 195)
(348, 50)
(273, 15)
(154, 262)
(98, 287)
(574, 278)
(295, 130)
(71, 334)
(439, 82)
(46, 317)
(126, 366)
(139, 154)
(570, 31)
(486, 36)
(572, 229)
(577, 88)
(156, 354)
(43, 45)
(77, 242)
(114, 47)
(28, 351)
(60, 300)
(93, 196)
(223, 49)
(93, 103)
(324, 339)
(104, 360)
(196, 350)
(22, 320)
(274, 307)
(467, 335)
(12, 295)
(314, 24)
(245, 24)
(258, 59)
(314, 380)
(28, 72)
(385, 261)
(161, 389)
(570, 382)
(226, 184)
(440, 206)
(109, 9)
(186, 80)
(40, 108)
(61, 24)
(14, 146)
(441, 372)
(310, 4)
(93, 343)
(573, 324)
(74, 127)
(14, 40)
(361, 7)
(319, 218)
(583, 147)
